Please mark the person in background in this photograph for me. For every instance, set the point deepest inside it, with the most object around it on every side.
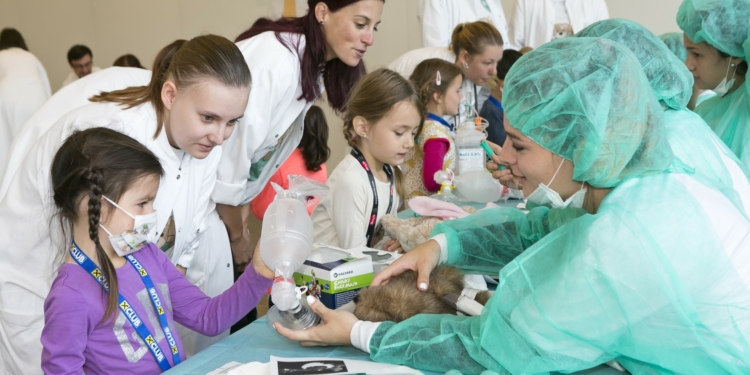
(440, 18)
(307, 160)
(492, 110)
(438, 84)
(24, 87)
(475, 48)
(536, 22)
(81, 60)
(718, 45)
(675, 43)
(128, 61)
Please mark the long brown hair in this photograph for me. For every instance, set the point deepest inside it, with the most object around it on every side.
(474, 37)
(338, 77)
(97, 162)
(372, 98)
(185, 63)
(314, 142)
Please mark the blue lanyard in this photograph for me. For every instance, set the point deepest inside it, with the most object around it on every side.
(440, 120)
(128, 310)
(496, 103)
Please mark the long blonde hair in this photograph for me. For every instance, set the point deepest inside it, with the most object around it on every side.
(372, 98)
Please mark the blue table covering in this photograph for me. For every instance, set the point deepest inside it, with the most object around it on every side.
(258, 341)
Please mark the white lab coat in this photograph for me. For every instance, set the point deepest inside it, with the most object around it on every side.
(28, 248)
(273, 112)
(440, 17)
(72, 76)
(407, 62)
(533, 21)
(24, 87)
(71, 97)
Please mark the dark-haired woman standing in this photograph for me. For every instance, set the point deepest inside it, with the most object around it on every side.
(292, 61)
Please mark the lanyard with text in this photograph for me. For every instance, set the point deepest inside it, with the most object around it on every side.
(440, 120)
(374, 215)
(128, 310)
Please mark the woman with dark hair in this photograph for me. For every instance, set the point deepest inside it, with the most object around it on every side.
(292, 61)
(128, 61)
(24, 87)
(307, 160)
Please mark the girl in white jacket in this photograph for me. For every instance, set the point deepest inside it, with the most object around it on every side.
(196, 96)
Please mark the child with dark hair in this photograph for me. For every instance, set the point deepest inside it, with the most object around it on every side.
(307, 160)
(115, 302)
(492, 110)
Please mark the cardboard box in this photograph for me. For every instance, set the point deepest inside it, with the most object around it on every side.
(334, 276)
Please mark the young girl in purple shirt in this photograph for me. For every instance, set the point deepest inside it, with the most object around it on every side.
(117, 297)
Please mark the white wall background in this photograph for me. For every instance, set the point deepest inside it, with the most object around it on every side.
(142, 27)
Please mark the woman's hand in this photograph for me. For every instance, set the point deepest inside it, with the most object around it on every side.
(182, 269)
(503, 175)
(393, 246)
(260, 267)
(242, 250)
(423, 259)
(336, 328)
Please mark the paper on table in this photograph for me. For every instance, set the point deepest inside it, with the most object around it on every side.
(303, 366)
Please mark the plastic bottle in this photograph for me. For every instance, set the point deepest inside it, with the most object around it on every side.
(445, 179)
(285, 243)
(468, 143)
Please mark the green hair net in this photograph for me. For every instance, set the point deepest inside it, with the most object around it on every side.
(675, 43)
(669, 77)
(588, 100)
(723, 24)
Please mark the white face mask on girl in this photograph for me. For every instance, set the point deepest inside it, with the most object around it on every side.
(131, 241)
(543, 195)
(725, 86)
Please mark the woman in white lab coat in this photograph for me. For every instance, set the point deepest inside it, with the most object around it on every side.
(292, 61)
(440, 17)
(66, 99)
(198, 93)
(475, 47)
(536, 22)
(24, 87)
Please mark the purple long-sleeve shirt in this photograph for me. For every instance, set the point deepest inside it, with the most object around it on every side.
(75, 340)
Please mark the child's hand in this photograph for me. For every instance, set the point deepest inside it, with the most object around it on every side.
(393, 246)
(336, 328)
(259, 266)
(182, 269)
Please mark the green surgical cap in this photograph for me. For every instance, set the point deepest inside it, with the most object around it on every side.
(670, 79)
(588, 100)
(724, 24)
(676, 44)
